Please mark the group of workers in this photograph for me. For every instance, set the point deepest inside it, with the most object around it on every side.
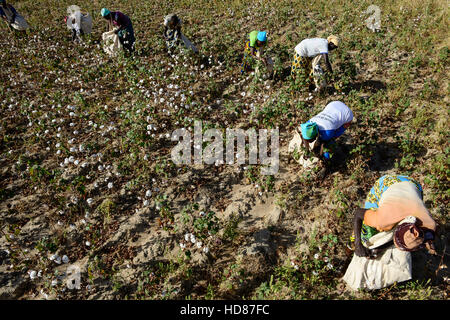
(390, 203)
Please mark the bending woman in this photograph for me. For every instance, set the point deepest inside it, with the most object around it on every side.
(122, 26)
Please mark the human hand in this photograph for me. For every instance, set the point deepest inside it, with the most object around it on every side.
(362, 251)
(430, 247)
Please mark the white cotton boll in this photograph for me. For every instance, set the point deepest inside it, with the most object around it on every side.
(148, 193)
(65, 259)
(100, 168)
(110, 185)
(187, 236)
(88, 243)
(76, 162)
(182, 245)
(54, 282)
(66, 160)
(146, 203)
(199, 244)
(205, 249)
(193, 240)
(90, 201)
(33, 274)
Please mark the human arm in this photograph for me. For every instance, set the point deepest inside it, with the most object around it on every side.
(14, 12)
(358, 219)
(327, 62)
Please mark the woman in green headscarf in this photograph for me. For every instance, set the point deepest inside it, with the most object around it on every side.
(254, 47)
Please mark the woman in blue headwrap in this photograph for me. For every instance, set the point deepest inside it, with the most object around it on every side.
(254, 47)
(122, 26)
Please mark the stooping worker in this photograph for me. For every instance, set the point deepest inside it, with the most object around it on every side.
(254, 48)
(122, 26)
(12, 17)
(173, 35)
(393, 223)
(79, 23)
(318, 133)
(307, 50)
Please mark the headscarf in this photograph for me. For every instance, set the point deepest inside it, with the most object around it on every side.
(104, 12)
(309, 130)
(333, 39)
(262, 36)
(408, 237)
(169, 17)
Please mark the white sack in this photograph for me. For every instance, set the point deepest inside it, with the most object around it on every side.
(111, 43)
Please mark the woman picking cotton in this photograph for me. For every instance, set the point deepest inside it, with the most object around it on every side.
(254, 49)
(14, 20)
(122, 27)
(393, 223)
(307, 50)
(317, 135)
(79, 23)
(173, 35)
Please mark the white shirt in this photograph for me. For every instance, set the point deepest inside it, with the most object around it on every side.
(335, 114)
(312, 47)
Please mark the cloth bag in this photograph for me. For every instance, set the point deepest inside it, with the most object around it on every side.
(111, 43)
(295, 145)
(86, 23)
(20, 23)
(82, 21)
(392, 266)
(318, 73)
(188, 44)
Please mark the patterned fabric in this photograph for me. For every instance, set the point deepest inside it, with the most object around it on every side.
(374, 196)
(248, 53)
(172, 37)
(302, 65)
